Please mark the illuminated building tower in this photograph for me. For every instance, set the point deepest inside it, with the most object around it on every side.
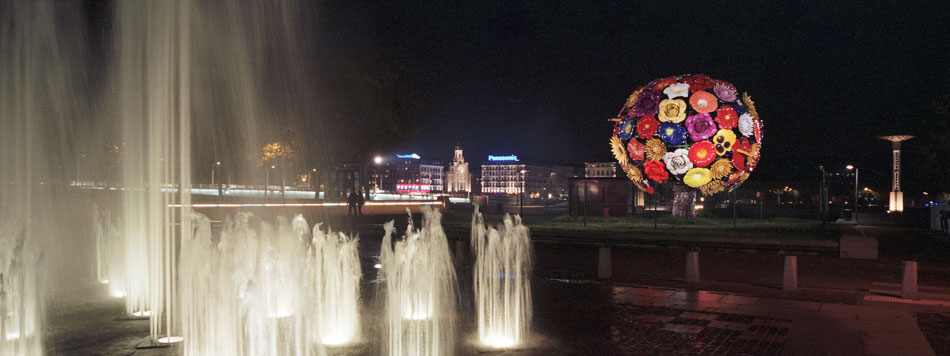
(458, 179)
(897, 197)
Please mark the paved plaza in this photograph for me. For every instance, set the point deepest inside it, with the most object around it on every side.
(583, 317)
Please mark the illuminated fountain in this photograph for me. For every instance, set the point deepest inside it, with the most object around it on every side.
(421, 289)
(110, 253)
(260, 289)
(502, 276)
(20, 290)
(333, 273)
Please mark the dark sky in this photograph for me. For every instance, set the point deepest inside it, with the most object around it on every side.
(539, 79)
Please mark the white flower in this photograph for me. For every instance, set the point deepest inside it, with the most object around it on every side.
(746, 125)
(677, 162)
(677, 90)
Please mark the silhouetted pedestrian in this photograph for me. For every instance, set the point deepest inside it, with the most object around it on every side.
(360, 200)
(945, 221)
(351, 202)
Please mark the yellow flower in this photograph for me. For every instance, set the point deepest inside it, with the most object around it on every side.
(696, 177)
(724, 140)
(655, 149)
(619, 153)
(713, 187)
(749, 104)
(636, 176)
(720, 169)
(738, 177)
(672, 110)
(633, 98)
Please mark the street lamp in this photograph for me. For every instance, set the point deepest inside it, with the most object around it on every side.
(217, 163)
(267, 180)
(377, 180)
(310, 178)
(850, 167)
(521, 196)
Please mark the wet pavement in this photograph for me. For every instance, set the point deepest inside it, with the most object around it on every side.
(645, 308)
(577, 317)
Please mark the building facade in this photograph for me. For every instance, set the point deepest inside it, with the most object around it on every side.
(409, 174)
(600, 169)
(507, 175)
(458, 179)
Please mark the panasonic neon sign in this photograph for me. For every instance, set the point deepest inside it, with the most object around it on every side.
(408, 156)
(503, 158)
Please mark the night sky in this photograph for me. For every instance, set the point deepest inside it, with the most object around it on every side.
(540, 79)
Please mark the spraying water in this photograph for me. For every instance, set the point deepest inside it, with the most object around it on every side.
(41, 102)
(260, 289)
(421, 289)
(333, 272)
(20, 290)
(110, 257)
(502, 281)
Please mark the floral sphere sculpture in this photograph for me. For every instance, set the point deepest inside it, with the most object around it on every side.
(689, 129)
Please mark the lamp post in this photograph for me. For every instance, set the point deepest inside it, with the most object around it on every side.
(310, 178)
(217, 163)
(521, 196)
(850, 167)
(376, 180)
(267, 180)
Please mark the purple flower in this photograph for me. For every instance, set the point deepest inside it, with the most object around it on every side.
(725, 91)
(700, 126)
(647, 103)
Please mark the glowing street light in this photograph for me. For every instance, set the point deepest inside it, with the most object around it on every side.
(896, 202)
(850, 167)
(216, 164)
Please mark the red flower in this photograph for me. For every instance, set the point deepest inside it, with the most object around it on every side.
(656, 171)
(664, 83)
(702, 153)
(727, 118)
(616, 128)
(635, 150)
(647, 126)
(740, 150)
(699, 82)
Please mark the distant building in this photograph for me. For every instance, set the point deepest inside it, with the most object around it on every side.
(600, 169)
(344, 178)
(507, 175)
(458, 179)
(409, 174)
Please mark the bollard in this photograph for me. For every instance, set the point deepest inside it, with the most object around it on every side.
(790, 282)
(692, 267)
(604, 269)
(909, 283)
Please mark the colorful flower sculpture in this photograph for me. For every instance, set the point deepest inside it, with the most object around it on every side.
(691, 130)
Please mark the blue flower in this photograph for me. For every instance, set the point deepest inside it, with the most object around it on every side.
(673, 134)
(740, 109)
(626, 129)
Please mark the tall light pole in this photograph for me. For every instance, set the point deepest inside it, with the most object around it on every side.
(310, 178)
(218, 163)
(267, 181)
(521, 196)
(376, 180)
(850, 167)
(896, 197)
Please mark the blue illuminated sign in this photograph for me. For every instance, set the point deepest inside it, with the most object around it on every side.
(503, 158)
(408, 156)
